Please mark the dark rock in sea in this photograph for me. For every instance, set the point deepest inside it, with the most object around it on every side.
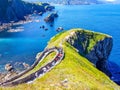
(46, 29)
(51, 25)
(51, 17)
(60, 29)
(43, 26)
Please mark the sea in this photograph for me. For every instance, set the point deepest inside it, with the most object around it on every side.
(23, 46)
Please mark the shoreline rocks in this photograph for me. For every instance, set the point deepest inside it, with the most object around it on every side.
(8, 67)
(13, 70)
(12, 81)
(10, 24)
(9, 74)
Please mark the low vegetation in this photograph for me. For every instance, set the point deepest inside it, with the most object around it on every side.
(75, 72)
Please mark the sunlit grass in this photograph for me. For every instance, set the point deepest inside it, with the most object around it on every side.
(76, 69)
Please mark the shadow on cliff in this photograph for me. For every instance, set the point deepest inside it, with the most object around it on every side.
(115, 71)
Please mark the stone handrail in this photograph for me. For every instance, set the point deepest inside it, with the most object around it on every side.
(15, 80)
(45, 53)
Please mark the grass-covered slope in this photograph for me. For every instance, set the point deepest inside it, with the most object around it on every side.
(75, 72)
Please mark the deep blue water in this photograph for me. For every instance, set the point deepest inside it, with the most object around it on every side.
(23, 46)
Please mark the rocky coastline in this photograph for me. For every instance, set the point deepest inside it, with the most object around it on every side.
(8, 25)
(12, 70)
(18, 12)
(12, 78)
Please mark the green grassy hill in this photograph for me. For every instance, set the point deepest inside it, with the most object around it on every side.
(75, 72)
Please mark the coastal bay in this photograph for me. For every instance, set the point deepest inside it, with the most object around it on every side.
(24, 46)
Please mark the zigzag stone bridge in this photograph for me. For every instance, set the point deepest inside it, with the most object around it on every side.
(43, 70)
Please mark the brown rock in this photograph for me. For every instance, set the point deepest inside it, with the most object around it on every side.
(8, 67)
(10, 75)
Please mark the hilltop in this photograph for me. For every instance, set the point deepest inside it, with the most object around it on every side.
(77, 70)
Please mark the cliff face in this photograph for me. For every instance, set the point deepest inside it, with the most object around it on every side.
(15, 10)
(94, 46)
(100, 53)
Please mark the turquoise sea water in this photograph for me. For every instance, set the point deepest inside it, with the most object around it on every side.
(23, 46)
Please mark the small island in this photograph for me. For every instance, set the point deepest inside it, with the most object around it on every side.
(51, 17)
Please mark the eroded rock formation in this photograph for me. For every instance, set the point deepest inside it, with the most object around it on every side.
(95, 47)
(51, 17)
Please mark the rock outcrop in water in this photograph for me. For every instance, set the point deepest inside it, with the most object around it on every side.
(88, 45)
(15, 10)
(51, 17)
(8, 67)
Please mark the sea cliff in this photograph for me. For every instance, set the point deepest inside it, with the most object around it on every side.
(96, 47)
(15, 10)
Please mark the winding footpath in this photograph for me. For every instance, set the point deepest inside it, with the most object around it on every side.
(43, 70)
